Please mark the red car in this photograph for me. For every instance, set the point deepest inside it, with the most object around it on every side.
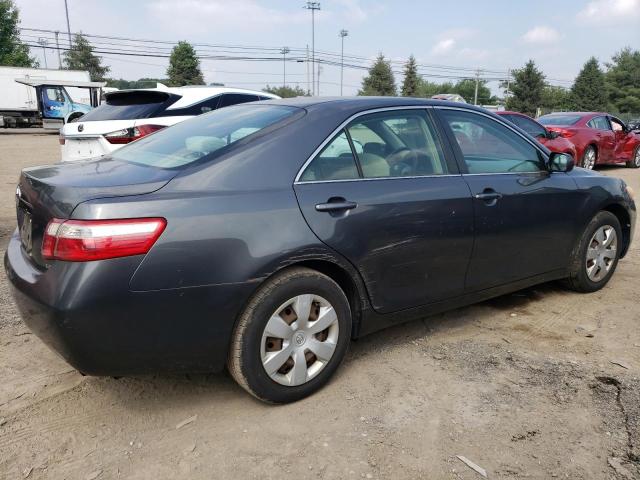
(599, 137)
(552, 140)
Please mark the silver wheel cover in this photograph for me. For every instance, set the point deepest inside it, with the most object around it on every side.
(299, 340)
(601, 253)
(589, 159)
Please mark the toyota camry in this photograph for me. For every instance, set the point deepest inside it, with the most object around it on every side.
(264, 237)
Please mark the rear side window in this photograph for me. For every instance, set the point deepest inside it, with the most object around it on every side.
(202, 136)
(335, 162)
(559, 119)
(131, 106)
(236, 98)
(599, 123)
(529, 126)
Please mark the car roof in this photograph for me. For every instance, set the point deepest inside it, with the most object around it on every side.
(581, 114)
(359, 103)
(191, 94)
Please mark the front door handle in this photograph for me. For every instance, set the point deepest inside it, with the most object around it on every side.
(488, 196)
(336, 205)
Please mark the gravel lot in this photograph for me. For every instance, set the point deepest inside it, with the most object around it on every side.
(524, 386)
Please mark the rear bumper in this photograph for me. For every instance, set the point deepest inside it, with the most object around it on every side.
(87, 314)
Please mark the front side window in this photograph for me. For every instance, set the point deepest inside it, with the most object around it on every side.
(617, 125)
(399, 143)
(490, 147)
(202, 136)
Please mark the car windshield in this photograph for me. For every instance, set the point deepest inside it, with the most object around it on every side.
(559, 119)
(201, 136)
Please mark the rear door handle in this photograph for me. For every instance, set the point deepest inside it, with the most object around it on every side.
(488, 196)
(336, 205)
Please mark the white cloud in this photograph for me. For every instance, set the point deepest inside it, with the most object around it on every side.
(541, 35)
(609, 10)
(443, 47)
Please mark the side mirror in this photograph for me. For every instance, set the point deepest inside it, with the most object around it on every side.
(561, 162)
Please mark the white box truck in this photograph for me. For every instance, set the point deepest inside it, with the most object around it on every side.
(19, 103)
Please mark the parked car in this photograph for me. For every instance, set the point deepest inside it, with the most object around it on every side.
(550, 139)
(600, 138)
(266, 236)
(127, 115)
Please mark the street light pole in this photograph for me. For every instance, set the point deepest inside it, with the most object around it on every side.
(343, 33)
(284, 52)
(58, 48)
(66, 10)
(43, 43)
(313, 6)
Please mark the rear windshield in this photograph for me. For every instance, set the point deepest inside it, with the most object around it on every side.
(130, 106)
(194, 139)
(559, 119)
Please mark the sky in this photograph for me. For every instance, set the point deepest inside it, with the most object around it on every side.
(492, 35)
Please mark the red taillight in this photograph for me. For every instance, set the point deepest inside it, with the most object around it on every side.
(563, 132)
(86, 240)
(128, 135)
(61, 139)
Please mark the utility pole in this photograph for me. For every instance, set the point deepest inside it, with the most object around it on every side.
(319, 72)
(66, 10)
(43, 43)
(308, 83)
(284, 52)
(506, 94)
(475, 97)
(58, 48)
(343, 33)
(313, 6)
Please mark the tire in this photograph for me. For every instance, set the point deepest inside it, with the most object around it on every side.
(589, 158)
(634, 162)
(253, 350)
(585, 275)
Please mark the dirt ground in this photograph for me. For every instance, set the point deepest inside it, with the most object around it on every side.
(525, 386)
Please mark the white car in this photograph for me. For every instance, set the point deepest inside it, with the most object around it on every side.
(128, 115)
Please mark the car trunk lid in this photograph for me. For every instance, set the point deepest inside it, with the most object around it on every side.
(54, 191)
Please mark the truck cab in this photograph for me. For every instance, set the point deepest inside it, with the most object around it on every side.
(56, 104)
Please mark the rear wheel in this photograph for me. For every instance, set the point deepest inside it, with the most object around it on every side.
(596, 256)
(634, 162)
(589, 157)
(291, 337)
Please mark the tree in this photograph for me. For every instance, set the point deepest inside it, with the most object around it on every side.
(623, 81)
(428, 89)
(380, 80)
(184, 66)
(122, 84)
(588, 93)
(81, 57)
(13, 52)
(467, 89)
(556, 99)
(527, 89)
(286, 92)
(411, 79)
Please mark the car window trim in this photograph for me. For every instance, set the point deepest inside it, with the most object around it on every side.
(343, 125)
(462, 166)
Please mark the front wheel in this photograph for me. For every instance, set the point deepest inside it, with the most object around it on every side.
(595, 257)
(589, 158)
(634, 162)
(291, 337)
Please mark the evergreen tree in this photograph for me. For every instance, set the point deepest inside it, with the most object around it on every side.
(556, 99)
(380, 80)
(623, 81)
(81, 57)
(286, 92)
(588, 93)
(184, 66)
(411, 79)
(13, 52)
(526, 89)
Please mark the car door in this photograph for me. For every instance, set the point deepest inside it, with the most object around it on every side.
(623, 150)
(382, 192)
(606, 139)
(525, 216)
